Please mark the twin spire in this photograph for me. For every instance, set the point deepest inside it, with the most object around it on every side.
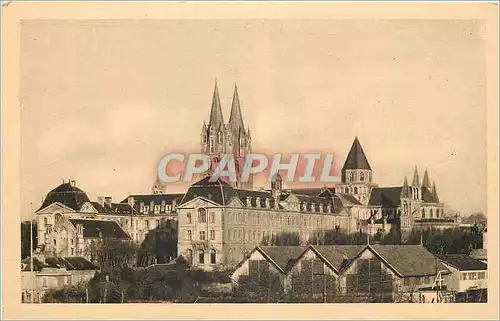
(216, 115)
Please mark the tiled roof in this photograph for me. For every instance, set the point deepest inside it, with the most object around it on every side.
(463, 262)
(283, 256)
(338, 255)
(356, 159)
(219, 192)
(156, 198)
(427, 196)
(67, 194)
(409, 260)
(387, 197)
(71, 263)
(348, 199)
(37, 264)
(479, 254)
(95, 228)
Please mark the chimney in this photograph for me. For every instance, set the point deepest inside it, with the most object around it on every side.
(100, 200)
(108, 201)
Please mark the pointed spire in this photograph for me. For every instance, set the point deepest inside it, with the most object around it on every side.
(405, 192)
(416, 179)
(426, 182)
(216, 117)
(356, 159)
(434, 192)
(236, 117)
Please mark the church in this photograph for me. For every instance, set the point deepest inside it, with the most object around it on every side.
(219, 223)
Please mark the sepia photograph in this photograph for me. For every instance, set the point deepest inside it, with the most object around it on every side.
(253, 160)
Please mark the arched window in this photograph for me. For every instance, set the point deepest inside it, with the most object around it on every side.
(351, 176)
(355, 190)
(423, 213)
(188, 218)
(57, 217)
(189, 235)
(362, 176)
(346, 190)
(431, 213)
(202, 215)
(212, 256)
(201, 257)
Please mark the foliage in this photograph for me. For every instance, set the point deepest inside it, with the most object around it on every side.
(337, 237)
(159, 245)
(67, 294)
(111, 253)
(282, 239)
(25, 238)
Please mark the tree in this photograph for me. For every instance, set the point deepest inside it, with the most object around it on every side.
(109, 253)
(282, 239)
(159, 245)
(25, 238)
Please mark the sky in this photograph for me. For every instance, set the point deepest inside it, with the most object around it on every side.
(103, 101)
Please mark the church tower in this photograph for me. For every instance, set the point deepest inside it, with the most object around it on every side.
(218, 138)
(356, 174)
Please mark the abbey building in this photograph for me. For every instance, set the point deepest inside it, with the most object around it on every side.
(218, 223)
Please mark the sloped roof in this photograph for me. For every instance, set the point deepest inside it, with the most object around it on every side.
(356, 159)
(427, 196)
(479, 254)
(37, 264)
(67, 194)
(71, 263)
(348, 199)
(307, 191)
(219, 192)
(283, 256)
(463, 262)
(94, 228)
(409, 260)
(156, 198)
(338, 255)
(387, 197)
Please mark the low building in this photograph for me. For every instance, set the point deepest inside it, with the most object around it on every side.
(74, 237)
(53, 273)
(313, 276)
(467, 273)
(263, 272)
(390, 273)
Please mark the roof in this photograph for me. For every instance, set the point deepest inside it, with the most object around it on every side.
(67, 194)
(356, 159)
(156, 198)
(463, 262)
(348, 199)
(71, 263)
(479, 254)
(409, 260)
(428, 196)
(219, 192)
(283, 256)
(387, 197)
(307, 191)
(338, 256)
(37, 264)
(216, 116)
(96, 228)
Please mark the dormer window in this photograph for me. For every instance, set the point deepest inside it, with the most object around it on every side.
(362, 176)
(351, 177)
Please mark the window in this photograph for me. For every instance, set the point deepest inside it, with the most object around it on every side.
(202, 215)
(202, 235)
(146, 224)
(431, 213)
(481, 275)
(44, 221)
(463, 276)
(72, 241)
(472, 275)
(157, 223)
(189, 235)
(355, 190)
(201, 257)
(423, 213)
(188, 218)
(44, 281)
(212, 256)
(361, 177)
(212, 217)
(212, 234)
(351, 176)
(190, 256)
(157, 209)
(72, 251)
